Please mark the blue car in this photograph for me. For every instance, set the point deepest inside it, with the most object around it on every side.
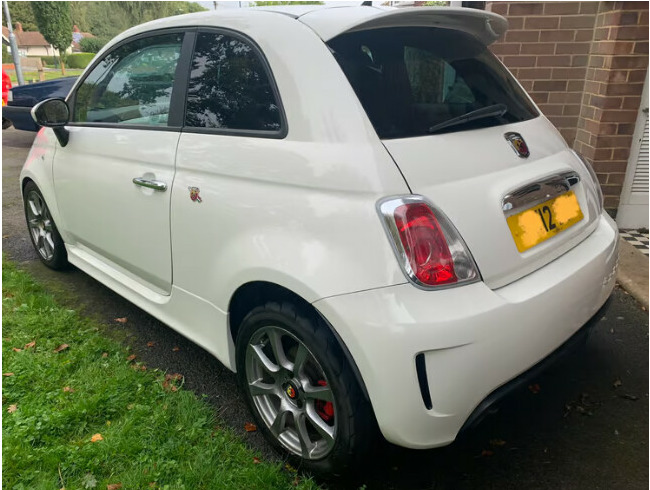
(22, 98)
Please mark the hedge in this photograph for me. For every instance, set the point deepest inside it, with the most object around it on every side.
(79, 60)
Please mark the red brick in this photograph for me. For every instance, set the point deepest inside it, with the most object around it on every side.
(564, 121)
(546, 22)
(616, 141)
(624, 89)
(588, 7)
(550, 86)
(619, 116)
(527, 85)
(539, 97)
(612, 47)
(605, 102)
(611, 76)
(588, 112)
(569, 135)
(535, 73)
(579, 60)
(599, 128)
(552, 109)
(576, 21)
(602, 178)
(609, 167)
(626, 129)
(557, 36)
(538, 48)
(517, 61)
(571, 110)
(569, 73)
(629, 32)
(563, 60)
(629, 62)
(575, 86)
(592, 87)
(521, 8)
(613, 191)
(643, 18)
(515, 23)
(612, 202)
(522, 36)
(564, 98)
(631, 103)
(572, 48)
(630, 18)
(641, 47)
(618, 178)
(500, 8)
(562, 8)
(506, 48)
(584, 35)
(601, 33)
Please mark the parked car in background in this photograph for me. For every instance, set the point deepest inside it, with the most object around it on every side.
(367, 217)
(6, 86)
(22, 98)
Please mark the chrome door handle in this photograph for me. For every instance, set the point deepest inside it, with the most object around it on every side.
(156, 185)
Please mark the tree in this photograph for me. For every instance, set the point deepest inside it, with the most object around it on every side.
(92, 44)
(22, 12)
(55, 23)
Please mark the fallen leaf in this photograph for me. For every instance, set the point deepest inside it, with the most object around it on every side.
(61, 348)
(248, 427)
(534, 389)
(122, 320)
(150, 344)
(256, 461)
(7, 374)
(89, 481)
(96, 438)
(618, 383)
(6, 236)
(67, 389)
(290, 468)
(130, 406)
(16, 349)
(30, 345)
(627, 396)
(113, 486)
(497, 442)
(176, 349)
(12, 408)
(174, 388)
(486, 453)
(131, 357)
(143, 368)
(296, 481)
(104, 354)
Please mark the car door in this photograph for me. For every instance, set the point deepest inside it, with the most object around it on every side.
(113, 180)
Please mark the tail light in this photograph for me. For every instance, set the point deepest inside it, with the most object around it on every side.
(594, 181)
(430, 250)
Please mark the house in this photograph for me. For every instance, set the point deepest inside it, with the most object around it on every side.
(30, 43)
(77, 36)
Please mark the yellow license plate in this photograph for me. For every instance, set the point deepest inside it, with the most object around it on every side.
(544, 221)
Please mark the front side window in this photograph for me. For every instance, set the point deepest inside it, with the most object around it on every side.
(229, 87)
(132, 84)
(414, 81)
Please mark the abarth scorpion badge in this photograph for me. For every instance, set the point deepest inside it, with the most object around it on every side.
(194, 194)
(518, 144)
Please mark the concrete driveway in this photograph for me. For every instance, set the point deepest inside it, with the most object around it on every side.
(585, 426)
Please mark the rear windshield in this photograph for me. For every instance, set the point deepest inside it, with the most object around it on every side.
(415, 81)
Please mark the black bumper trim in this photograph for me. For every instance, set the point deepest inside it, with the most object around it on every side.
(576, 340)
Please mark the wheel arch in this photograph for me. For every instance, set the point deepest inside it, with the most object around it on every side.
(256, 293)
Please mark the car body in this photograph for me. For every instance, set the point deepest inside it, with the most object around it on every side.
(23, 97)
(304, 219)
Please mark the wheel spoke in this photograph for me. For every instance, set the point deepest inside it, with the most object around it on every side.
(267, 363)
(280, 423)
(47, 246)
(299, 362)
(306, 445)
(319, 424)
(258, 387)
(275, 341)
(318, 393)
(47, 225)
(35, 210)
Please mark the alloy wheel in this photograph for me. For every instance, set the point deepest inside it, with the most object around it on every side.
(40, 225)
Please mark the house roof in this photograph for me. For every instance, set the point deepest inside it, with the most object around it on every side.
(26, 38)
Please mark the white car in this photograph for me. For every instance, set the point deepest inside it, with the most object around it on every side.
(357, 209)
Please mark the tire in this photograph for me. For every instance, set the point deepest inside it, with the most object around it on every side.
(42, 230)
(6, 123)
(314, 412)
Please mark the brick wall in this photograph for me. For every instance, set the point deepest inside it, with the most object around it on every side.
(584, 64)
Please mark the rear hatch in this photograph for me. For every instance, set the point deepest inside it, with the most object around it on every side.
(467, 137)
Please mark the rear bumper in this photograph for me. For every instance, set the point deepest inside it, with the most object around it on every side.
(471, 340)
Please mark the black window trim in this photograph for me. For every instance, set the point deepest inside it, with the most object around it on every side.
(179, 88)
(284, 129)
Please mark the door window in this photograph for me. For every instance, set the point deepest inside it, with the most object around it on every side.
(229, 87)
(132, 84)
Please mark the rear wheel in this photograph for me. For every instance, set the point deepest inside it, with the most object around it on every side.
(45, 237)
(300, 389)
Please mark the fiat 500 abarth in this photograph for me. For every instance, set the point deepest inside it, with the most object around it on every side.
(358, 210)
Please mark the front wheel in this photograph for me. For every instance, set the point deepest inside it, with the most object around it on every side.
(45, 237)
(301, 390)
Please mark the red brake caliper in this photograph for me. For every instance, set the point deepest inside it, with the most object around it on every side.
(323, 408)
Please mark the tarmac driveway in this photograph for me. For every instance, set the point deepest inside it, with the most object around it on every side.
(583, 424)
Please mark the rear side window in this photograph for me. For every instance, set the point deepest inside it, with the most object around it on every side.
(229, 87)
(415, 81)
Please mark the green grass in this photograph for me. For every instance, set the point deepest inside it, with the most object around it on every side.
(32, 76)
(153, 436)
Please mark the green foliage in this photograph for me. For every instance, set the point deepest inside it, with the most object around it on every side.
(152, 430)
(54, 22)
(22, 12)
(79, 60)
(92, 44)
(271, 4)
(50, 61)
(6, 57)
(436, 4)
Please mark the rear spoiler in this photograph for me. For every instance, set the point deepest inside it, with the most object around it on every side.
(330, 23)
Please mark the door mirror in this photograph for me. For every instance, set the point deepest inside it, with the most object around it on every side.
(51, 113)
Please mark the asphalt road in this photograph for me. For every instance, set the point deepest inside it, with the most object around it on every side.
(585, 428)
